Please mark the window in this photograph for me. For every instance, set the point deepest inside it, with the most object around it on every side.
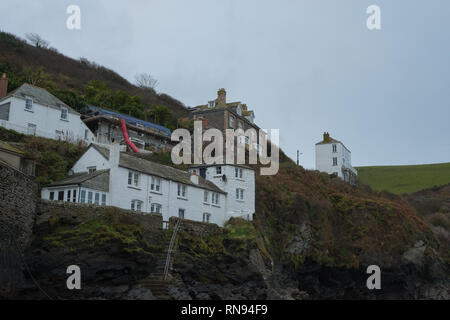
(86, 134)
(231, 122)
(238, 173)
(83, 196)
(89, 197)
(97, 198)
(239, 194)
(215, 198)
(68, 195)
(31, 130)
(205, 196)
(74, 196)
(91, 169)
(334, 161)
(334, 148)
(206, 217)
(212, 104)
(52, 196)
(133, 179)
(155, 184)
(28, 104)
(240, 125)
(103, 199)
(181, 213)
(136, 205)
(61, 196)
(218, 170)
(156, 208)
(181, 190)
(64, 112)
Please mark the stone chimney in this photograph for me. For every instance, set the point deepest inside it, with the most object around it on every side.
(114, 154)
(194, 177)
(221, 97)
(326, 137)
(3, 86)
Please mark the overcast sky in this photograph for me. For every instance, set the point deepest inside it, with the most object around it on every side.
(304, 67)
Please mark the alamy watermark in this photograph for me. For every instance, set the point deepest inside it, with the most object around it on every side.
(374, 20)
(256, 143)
(73, 22)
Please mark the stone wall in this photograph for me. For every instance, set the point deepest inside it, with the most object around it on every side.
(49, 212)
(18, 198)
(197, 228)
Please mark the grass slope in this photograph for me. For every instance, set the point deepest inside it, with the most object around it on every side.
(405, 179)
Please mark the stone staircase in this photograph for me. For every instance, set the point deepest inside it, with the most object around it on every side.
(160, 280)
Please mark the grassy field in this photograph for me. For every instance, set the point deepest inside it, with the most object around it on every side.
(405, 179)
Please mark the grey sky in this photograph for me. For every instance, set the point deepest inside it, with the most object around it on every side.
(303, 66)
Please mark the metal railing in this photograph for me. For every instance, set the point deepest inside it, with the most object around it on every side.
(169, 250)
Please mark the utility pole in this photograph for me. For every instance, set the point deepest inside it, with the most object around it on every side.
(298, 157)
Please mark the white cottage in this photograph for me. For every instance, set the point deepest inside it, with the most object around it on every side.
(34, 111)
(114, 178)
(333, 157)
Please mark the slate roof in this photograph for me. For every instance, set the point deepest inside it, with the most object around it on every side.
(330, 141)
(152, 168)
(90, 111)
(98, 180)
(39, 95)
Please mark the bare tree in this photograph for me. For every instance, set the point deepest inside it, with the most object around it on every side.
(145, 81)
(37, 40)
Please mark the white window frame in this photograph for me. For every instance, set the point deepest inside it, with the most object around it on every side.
(133, 179)
(181, 191)
(206, 217)
(334, 148)
(215, 199)
(29, 107)
(64, 114)
(155, 184)
(91, 169)
(181, 210)
(136, 205)
(206, 196)
(218, 170)
(335, 161)
(156, 208)
(239, 194)
(83, 196)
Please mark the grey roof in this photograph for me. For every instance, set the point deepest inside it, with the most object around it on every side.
(326, 142)
(98, 180)
(39, 95)
(152, 168)
(332, 141)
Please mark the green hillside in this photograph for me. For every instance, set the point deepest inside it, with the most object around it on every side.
(405, 179)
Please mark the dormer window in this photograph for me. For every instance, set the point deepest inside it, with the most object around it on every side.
(28, 104)
(212, 104)
(64, 112)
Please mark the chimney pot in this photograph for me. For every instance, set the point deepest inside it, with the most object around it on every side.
(221, 97)
(3, 86)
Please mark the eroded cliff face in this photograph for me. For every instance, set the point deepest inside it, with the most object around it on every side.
(119, 256)
(313, 238)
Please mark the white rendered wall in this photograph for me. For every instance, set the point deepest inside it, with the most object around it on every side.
(47, 120)
(234, 207)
